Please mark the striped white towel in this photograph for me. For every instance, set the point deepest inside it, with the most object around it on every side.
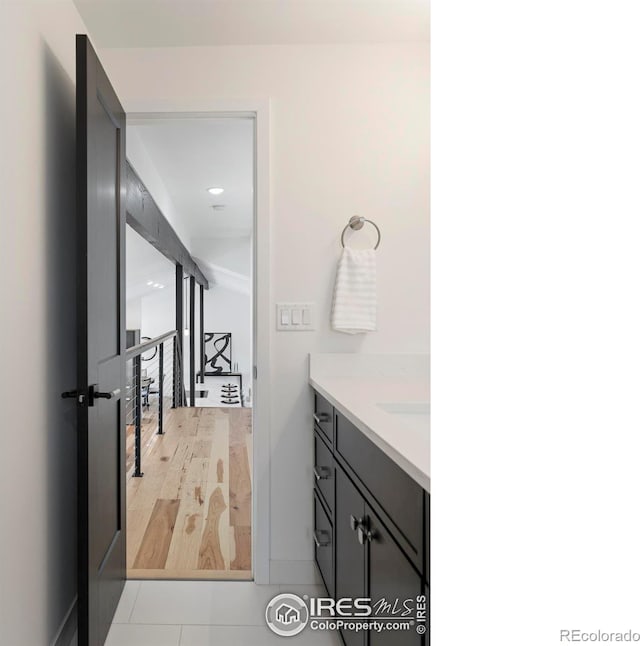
(355, 300)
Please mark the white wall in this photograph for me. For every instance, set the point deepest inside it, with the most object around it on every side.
(349, 134)
(158, 312)
(226, 310)
(233, 254)
(38, 548)
(134, 313)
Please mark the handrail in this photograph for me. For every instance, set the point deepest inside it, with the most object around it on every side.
(135, 387)
(135, 350)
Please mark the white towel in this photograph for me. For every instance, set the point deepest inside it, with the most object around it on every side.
(355, 300)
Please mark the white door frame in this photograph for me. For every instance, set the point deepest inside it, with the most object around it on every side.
(258, 110)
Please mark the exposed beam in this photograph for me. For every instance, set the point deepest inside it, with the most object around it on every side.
(147, 219)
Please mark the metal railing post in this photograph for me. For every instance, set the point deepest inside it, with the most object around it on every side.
(161, 389)
(137, 371)
(201, 334)
(179, 401)
(192, 341)
(176, 397)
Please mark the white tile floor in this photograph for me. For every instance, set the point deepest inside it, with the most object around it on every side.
(204, 613)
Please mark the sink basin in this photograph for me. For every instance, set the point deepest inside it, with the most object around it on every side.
(406, 408)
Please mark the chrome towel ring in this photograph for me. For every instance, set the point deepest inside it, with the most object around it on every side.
(356, 223)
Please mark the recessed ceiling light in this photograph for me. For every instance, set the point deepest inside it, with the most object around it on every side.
(215, 191)
(149, 282)
(160, 286)
(156, 284)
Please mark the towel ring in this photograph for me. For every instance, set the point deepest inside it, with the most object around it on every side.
(356, 223)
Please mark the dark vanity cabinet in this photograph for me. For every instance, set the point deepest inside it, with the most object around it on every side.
(350, 564)
(372, 527)
(391, 577)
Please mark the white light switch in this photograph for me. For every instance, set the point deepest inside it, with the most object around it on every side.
(294, 317)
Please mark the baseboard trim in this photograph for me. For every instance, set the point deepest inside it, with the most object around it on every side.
(293, 573)
(68, 627)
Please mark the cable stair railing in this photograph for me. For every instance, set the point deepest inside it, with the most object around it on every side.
(155, 386)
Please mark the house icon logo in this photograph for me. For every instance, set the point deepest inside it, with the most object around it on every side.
(287, 615)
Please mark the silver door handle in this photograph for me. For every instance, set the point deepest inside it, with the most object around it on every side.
(321, 419)
(322, 473)
(321, 542)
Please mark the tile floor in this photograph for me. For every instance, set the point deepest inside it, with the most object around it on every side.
(204, 613)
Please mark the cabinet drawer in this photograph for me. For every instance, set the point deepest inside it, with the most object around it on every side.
(400, 497)
(323, 416)
(324, 472)
(323, 539)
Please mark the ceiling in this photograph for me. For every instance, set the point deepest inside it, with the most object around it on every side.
(182, 23)
(192, 155)
(188, 157)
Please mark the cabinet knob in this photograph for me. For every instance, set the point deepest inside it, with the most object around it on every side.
(321, 418)
(365, 535)
(321, 538)
(322, 473)
(354, 522)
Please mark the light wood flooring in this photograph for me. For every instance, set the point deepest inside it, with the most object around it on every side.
(189, 516)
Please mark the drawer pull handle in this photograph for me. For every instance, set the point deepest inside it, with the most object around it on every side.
(322, 473)
(354, 522)
(321, 418)
(321, 538)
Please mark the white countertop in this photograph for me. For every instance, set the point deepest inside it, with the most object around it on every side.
(356, 384)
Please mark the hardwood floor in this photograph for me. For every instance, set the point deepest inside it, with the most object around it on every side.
(189, 516)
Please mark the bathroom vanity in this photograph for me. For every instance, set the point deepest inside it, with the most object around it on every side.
(371, 492)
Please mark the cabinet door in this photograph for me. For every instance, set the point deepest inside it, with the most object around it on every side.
(350, 554)
(399, 495)
(391, 577)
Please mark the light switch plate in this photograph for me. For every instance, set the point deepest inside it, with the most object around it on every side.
(295, 317)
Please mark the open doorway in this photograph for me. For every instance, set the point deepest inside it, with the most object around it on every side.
(190, 352)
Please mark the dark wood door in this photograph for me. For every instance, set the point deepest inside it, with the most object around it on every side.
(101, 347)
(350, 553)
(392, 580)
